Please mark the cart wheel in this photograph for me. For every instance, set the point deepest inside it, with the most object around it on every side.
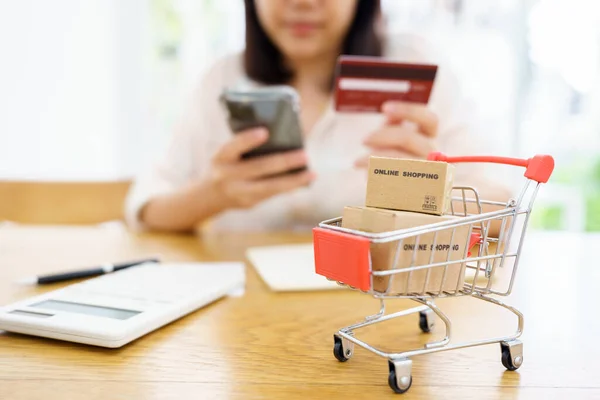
(341, 352)
(398, 387)
(426, 321)
(512, 354)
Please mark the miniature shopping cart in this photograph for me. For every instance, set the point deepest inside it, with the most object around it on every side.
(346, 256)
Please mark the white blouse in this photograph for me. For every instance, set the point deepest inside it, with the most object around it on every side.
(332, 146)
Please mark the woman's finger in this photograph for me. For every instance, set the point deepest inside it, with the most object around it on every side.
(264, 166)
(265, 188)
(241, 143)
(426, 119)
(401, 138)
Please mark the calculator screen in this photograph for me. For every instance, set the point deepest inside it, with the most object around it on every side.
(78, 308)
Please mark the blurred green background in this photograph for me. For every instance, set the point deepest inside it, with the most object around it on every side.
(581, 179)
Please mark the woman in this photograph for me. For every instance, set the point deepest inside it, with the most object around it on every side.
(296, 42)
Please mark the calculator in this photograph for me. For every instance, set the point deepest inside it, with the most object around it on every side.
(117, 308)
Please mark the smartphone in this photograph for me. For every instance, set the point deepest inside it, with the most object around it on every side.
(275, 108)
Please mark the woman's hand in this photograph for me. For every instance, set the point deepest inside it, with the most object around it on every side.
(243, 183)
(232, 183)
(409, 132)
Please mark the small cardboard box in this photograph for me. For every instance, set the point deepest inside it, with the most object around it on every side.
(376, 220)
(409, 185)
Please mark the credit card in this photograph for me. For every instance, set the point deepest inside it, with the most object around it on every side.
(363, 84)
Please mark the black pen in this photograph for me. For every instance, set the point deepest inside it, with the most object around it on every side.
(86, 273)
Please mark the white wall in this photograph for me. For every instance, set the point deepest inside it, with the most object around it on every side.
(70, 86)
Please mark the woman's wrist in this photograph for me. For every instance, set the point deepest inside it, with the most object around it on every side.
(184, 209)
(206, 200)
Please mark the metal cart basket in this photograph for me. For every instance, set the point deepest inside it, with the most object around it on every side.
(347, 256)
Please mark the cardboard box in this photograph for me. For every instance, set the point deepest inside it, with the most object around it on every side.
(376, 220)
(409, 185)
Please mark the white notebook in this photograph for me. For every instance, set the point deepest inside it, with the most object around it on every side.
(288, 268)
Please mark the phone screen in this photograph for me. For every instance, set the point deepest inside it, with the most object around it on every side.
(274, 108)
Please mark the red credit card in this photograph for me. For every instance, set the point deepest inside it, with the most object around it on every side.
(363, 84)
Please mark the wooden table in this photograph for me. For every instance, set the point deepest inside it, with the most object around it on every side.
(279, 345)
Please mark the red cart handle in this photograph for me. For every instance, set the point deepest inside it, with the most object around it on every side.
(538, 168)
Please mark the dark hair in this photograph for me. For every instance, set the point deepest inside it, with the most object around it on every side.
(264, 63)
